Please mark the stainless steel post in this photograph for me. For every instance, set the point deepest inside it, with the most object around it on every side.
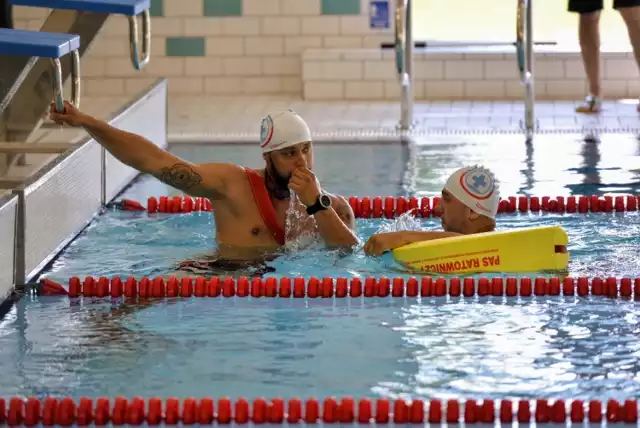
(407, 78)
(404, 62)
(529, 98)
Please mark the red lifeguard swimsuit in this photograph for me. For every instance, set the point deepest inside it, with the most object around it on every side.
(267, 210)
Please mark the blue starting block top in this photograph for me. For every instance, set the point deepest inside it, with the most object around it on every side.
(37, 43)
(123, 7)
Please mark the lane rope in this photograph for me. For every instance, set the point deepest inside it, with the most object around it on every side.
(330, 287)
(391, 207)
(65, 411)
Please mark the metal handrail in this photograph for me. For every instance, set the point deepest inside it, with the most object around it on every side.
(139, 62)
(58, 94)
(404, 61)
(401, 35)
(524, 52)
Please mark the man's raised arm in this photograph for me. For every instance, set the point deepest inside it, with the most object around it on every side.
(205, 180)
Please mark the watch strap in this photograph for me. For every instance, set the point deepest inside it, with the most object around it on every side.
(312, 209)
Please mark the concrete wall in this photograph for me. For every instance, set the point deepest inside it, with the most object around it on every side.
(318, 49)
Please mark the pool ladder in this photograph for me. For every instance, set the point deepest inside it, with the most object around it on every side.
(404, 62)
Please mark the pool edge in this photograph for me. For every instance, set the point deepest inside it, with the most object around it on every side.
(84, 173)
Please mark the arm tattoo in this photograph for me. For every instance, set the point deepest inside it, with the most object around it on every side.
(180, 176)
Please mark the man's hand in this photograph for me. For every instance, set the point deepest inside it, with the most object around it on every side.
(381, 242)
(306, 186)
(71, 115)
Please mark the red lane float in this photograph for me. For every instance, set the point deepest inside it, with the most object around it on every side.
(329, 287)
(65, 411)
(168, 205)
(391, 207)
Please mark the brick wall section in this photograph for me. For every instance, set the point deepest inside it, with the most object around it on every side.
(361, 74)
(319, 49)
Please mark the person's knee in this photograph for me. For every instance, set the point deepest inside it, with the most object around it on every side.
(630, 14)
(588, 30)
(590, 18)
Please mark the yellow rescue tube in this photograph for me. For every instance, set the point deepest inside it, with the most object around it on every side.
(523, 250)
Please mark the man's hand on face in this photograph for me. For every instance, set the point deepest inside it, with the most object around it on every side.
(306, 185)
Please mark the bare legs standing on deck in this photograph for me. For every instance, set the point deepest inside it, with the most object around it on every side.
(589, 35)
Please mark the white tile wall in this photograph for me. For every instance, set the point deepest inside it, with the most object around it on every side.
(287, 47)
(365, 74)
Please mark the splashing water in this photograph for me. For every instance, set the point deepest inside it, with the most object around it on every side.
(301, 230)
(405, 221)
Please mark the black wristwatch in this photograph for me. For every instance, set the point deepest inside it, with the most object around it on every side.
(322, 203)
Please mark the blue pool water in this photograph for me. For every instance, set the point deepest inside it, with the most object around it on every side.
(544, 347)
(124, 243)
(494, 347)
(600, 244)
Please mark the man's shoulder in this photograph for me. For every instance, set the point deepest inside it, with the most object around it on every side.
(231, 177)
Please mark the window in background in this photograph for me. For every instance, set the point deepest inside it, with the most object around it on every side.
(468, 20)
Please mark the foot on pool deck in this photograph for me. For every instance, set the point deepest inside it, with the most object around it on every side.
(591, 105)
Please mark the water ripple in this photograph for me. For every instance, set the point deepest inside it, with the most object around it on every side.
(135, 244)
(494, 347)
(444, 348)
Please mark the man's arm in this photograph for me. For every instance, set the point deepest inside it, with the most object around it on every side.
(382, 242)
(204, 180)
(337, 224)
(411, 236)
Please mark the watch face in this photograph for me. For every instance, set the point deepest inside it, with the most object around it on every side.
(325, 201)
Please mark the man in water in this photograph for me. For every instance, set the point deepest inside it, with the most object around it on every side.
(469, 205)
(250, 206)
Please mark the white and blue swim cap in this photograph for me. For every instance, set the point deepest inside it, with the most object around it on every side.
(477, 188)
(283, 129)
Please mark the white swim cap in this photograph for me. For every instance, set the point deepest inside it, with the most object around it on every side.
(476, 187)
(283, 129)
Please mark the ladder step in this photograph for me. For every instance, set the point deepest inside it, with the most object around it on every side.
(37, 43)
(123, 7)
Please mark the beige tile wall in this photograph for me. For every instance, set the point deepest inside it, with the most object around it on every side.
(474, 74)
(287, 47)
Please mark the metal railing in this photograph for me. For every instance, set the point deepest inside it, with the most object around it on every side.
(524, 52)
(71, 187)
(24, 99)
(140, 59)
(58, 94)
(404, 61)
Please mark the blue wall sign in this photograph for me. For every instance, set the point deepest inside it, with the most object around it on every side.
(379, 14)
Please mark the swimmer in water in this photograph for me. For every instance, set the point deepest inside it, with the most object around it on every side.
(468, 205)
(250, 205)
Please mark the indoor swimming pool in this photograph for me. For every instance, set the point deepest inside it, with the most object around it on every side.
(126, 243)
(550, 347)
(445, 347)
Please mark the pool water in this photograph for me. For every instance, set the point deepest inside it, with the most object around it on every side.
(124, 243)
(245, 347)
(430, 347)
